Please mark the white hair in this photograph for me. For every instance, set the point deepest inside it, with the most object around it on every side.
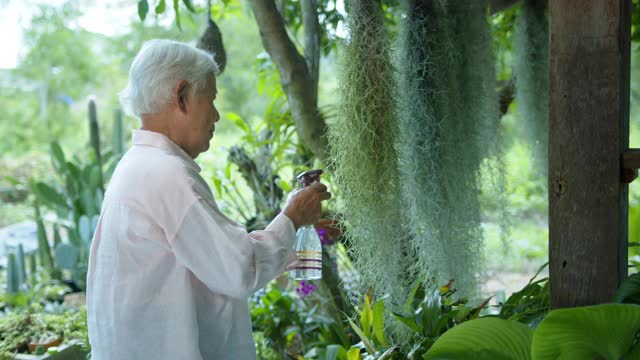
(157, 68)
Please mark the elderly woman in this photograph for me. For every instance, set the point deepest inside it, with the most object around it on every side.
(169, 274)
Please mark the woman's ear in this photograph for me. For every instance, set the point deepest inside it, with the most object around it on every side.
(181, 95)
(181, 98)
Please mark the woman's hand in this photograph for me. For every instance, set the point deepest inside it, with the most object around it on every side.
(303, 206)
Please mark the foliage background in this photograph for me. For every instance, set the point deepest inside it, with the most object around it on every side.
(73, 65)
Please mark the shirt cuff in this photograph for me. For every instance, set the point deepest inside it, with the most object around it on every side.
(283, 227)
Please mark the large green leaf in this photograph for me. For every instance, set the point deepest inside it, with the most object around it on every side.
(605, 331)
(629, 290)
(50, 195)
(484, 339)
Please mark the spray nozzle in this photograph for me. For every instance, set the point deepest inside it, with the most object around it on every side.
(309, 177)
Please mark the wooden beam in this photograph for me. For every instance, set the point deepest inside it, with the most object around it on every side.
(588, 134)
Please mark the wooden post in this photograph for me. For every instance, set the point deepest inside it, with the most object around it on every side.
(589, 56)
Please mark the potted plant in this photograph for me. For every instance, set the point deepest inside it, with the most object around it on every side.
(33, 334)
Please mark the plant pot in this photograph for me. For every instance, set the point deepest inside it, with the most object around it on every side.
(53, 341)
(66, 351)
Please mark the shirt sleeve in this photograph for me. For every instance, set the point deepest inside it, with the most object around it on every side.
(221, 254)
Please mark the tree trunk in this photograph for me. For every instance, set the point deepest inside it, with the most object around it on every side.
(296, 78)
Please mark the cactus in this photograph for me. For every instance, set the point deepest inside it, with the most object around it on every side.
(44, 250)
(94, 132)
(20, 261)
(118, 139)
(66, 256)
(32, 266)
(13, 283)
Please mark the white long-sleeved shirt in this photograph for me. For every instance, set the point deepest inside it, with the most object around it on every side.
(169, 275)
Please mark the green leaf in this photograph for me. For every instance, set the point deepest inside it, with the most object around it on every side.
(285, 185)
(50, 195)
(605, 331)
(634, 230)
(378, 322)
(335, 352)
(484, 339)
(239, 122)
(176, 9)
(57, 157)
(13, 181)
(88, 201)
(353, 353)
(367, 344)
(217, 183)
(410, 322)
(189, 5)
(629, 290)
(431, 313)
(94, 177)
(143, 8)
(366, 318)
(160, 7)
(227, 170)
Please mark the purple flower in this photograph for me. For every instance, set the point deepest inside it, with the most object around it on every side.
(324, 236)
(305, 289)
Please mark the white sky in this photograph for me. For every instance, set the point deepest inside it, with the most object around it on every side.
(103, 16)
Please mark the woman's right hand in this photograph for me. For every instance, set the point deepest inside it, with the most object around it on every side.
(303, 206)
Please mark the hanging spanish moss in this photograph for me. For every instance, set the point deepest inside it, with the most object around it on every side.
(423, 100)
(362, 144)
(449, 125)
(531, 63)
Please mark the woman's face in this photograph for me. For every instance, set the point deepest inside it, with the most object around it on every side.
(202, 116)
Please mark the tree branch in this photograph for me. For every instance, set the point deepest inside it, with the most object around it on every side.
(311, 39)
(295, 77)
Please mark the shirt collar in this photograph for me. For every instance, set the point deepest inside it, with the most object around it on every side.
(161, 141)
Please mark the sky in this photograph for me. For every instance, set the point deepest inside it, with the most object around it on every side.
(108, 17)
(102, 16)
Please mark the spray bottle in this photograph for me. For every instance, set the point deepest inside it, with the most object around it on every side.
(308, 247)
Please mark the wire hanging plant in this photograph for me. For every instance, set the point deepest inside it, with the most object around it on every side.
(362, 142)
